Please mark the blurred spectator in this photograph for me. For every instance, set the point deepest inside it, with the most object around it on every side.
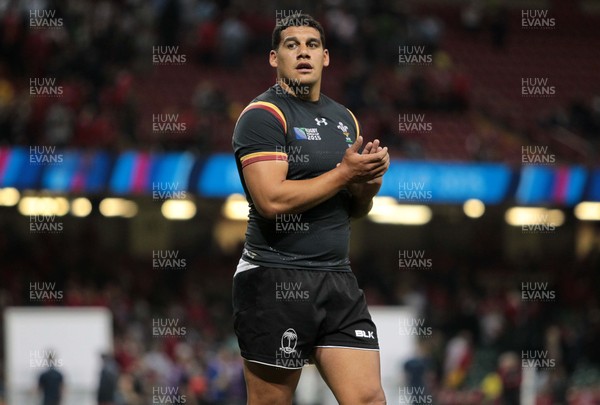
(59, 125)
(208, 99)
(558, 385)
(169, 22)
(459, 355)
(51, 383)
(107, 385)
(225, 378)
(419, 370)
(430, 33)
(355, 84)
(491, 387)
(233, 39)
(472, 16)
(342, 30)
(207, 42)
(509, 369)
(499, 25)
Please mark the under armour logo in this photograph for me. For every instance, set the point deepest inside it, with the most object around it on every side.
(321, 121)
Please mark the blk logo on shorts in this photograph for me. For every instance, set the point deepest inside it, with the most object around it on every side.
(364, 334)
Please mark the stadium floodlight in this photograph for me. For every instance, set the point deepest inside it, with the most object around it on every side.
(236, 208)
(474, 208)
(588, 211)
(519, 216)
(34, 205)
(81, 207)
(387, 211)
(178, 209)
(9, 196)
(118, 207)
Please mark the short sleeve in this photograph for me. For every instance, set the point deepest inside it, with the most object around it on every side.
(259, 134)
(356, 124)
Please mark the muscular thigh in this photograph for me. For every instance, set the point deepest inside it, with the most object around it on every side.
(352, 374)
(270, 385)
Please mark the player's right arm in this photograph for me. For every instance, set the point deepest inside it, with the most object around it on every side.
(259, 143)
(273, 194)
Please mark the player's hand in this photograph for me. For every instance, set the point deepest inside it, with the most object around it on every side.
(369, 189)
(374, 147)
(365, 167)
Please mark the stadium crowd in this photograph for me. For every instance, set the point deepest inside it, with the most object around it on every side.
(100, 53)
(479, 322)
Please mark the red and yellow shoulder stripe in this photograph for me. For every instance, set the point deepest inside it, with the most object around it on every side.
(355, 123)
(270, 107)
(261, 157)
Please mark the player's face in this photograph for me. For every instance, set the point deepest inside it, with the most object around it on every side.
(300, 56)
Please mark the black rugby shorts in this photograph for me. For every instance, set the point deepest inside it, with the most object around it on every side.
(281, 315)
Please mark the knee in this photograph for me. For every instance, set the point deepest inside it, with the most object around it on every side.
(372, 396)
(269, 399)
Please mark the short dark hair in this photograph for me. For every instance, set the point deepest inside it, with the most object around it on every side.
(300, 20)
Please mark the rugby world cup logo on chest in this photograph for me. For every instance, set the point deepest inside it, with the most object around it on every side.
(307, 134)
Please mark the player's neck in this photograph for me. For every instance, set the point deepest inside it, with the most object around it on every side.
(304, 92)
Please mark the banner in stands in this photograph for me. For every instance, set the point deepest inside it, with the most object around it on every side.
(140, 172)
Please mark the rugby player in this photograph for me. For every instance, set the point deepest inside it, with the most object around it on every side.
(305, 172)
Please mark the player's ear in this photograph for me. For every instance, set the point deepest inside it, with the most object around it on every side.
(273, 58)
(325, 57)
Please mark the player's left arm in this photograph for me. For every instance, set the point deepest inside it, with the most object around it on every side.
(363, 193)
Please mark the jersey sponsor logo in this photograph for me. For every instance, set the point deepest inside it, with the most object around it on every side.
(320, 121)
(309, 134)
(289, 340)
(364, 334)
(344, 129)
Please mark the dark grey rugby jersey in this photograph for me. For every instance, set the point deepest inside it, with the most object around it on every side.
(312, 137)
